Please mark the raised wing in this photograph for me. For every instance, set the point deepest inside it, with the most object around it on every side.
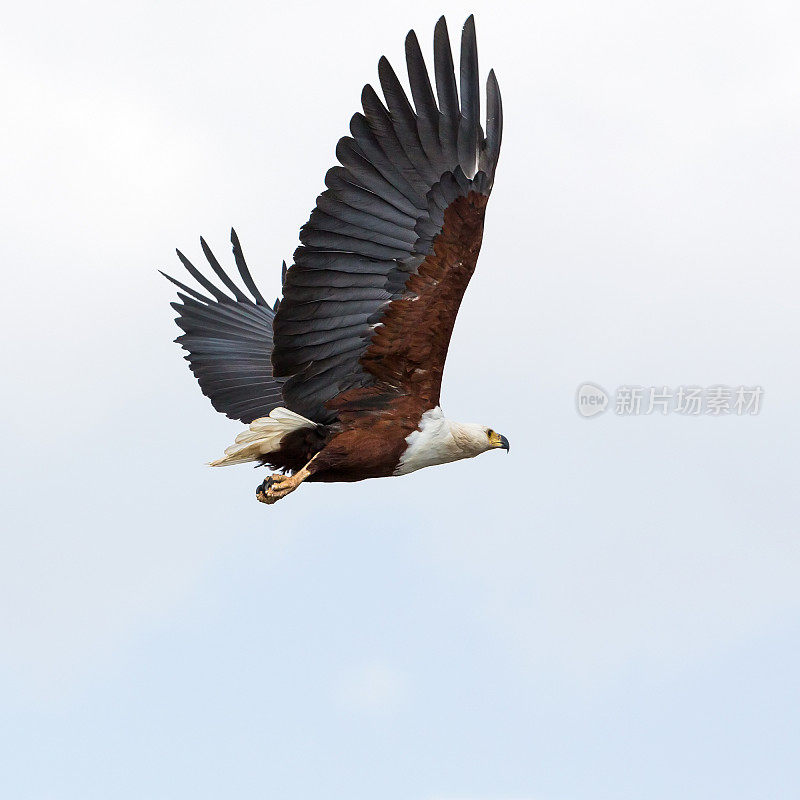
(388, 251)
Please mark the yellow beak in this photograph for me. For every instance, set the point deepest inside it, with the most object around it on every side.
(498, 440)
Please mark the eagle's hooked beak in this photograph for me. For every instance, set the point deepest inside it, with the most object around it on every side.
(499, 441)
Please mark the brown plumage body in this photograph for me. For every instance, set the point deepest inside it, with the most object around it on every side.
(406, 355)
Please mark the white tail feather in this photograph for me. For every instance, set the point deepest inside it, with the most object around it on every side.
(263, 436)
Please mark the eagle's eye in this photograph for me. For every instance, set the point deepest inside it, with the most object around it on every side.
(490, 433)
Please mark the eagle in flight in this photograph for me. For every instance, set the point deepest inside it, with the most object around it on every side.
(340, 379)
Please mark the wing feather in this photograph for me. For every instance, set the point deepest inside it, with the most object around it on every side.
(469, 126)
(228, 339)
(384, 259)
(409, 176)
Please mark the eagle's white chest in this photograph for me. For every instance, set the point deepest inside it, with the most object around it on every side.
(436, 441)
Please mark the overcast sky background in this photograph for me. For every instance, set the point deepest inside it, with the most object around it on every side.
(611, 611)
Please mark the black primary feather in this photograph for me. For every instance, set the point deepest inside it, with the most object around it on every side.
(229, 339)
(468, 131)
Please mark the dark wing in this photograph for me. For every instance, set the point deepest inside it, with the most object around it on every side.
(390, 247)
(229, 339)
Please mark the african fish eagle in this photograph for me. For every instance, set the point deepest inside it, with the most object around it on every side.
(340, 379)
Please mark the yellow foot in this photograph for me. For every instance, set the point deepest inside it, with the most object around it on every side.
(277, 486)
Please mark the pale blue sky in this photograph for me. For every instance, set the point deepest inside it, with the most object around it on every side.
(611, 612)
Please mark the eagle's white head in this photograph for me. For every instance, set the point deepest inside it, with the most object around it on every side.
(475, 439)
(439, 440)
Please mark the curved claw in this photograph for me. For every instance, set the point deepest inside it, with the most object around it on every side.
(273, 488)
(279, 485)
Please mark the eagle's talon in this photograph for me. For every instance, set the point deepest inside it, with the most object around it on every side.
(275, 487)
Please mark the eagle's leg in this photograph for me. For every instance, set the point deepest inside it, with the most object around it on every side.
(279, 485)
